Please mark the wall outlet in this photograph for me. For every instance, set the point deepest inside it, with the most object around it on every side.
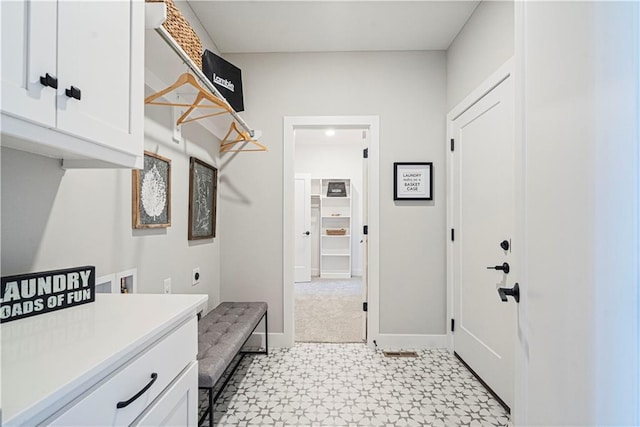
(167, 285)
(195, 277)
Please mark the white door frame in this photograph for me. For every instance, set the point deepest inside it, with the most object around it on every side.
(518, 411)
(372, 124)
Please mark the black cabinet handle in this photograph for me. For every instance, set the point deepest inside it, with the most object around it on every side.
(504, 267)
(306, 233)
(49, 80)
(512, 292)
(504, 245)
(73, 92)
(120, 405)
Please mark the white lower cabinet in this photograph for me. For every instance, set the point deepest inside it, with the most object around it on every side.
(158, 387)
(178, 405)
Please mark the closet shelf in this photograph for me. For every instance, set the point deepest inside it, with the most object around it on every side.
(164, 34)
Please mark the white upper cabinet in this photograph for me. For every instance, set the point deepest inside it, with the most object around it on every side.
(73, 80)
(28, 53)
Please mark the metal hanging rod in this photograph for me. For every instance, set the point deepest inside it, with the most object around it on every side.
(200, 75)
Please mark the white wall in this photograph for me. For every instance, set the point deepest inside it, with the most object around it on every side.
(407, 91)
(52, 218)
(483, 45)
(338, 160)
(581, 160)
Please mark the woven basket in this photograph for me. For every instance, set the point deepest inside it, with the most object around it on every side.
(336, 231)
(181, 31)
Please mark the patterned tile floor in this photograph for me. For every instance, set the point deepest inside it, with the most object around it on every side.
(349, 384)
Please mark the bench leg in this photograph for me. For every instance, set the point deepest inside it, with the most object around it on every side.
(266, 333)
(211, 407)
(209, 410)
(265, 316)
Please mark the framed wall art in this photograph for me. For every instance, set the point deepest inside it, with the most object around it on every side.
(413, 181)
(151, 193)
(203, 189)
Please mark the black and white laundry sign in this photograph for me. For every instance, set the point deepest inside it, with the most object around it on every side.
(31, 294)
(226, 77)
(413, 181)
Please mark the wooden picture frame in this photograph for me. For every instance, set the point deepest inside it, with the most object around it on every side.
(151, 193)
(203, 193)
(413, 181)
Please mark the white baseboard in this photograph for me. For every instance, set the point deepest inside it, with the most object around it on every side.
(276, 340)
(384, 341)
(410, 341)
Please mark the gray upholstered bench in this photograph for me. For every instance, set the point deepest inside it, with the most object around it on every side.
(221, 335)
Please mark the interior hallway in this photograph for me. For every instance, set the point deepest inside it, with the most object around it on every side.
(349, 384)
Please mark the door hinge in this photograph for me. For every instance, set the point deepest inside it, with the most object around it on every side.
(453, 325)
(453, 235)
(365, 230)
(365, 306)
(452, 144)
(365, 153)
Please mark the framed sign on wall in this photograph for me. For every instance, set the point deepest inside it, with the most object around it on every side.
(413, 181)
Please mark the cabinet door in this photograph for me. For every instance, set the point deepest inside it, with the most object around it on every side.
(178, 405)
(28, 52)
(101, 54)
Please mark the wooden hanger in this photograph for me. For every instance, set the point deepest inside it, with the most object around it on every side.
(226, 144)
(203, 95)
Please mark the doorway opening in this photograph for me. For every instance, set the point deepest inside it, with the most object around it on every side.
(330, 263)
(329, 239)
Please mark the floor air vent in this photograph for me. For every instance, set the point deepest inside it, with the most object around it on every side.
(400, 354)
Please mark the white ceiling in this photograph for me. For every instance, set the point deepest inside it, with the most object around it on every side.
(242, 26)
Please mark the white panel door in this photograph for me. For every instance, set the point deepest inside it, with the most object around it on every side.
(94, 56)
(483, 217)
(28, 53)
(303, 228)
(365, 240)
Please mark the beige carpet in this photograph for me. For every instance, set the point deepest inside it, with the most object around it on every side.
(329, 311)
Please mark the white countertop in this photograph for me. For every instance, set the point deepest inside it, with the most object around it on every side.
(49, 359)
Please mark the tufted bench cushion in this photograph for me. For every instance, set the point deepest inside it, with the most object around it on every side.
(221, 334)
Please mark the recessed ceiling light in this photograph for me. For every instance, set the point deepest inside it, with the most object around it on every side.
(330, 132)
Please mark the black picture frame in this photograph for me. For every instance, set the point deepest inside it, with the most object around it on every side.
(413, 181)
(203, 193)
(151, 193)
